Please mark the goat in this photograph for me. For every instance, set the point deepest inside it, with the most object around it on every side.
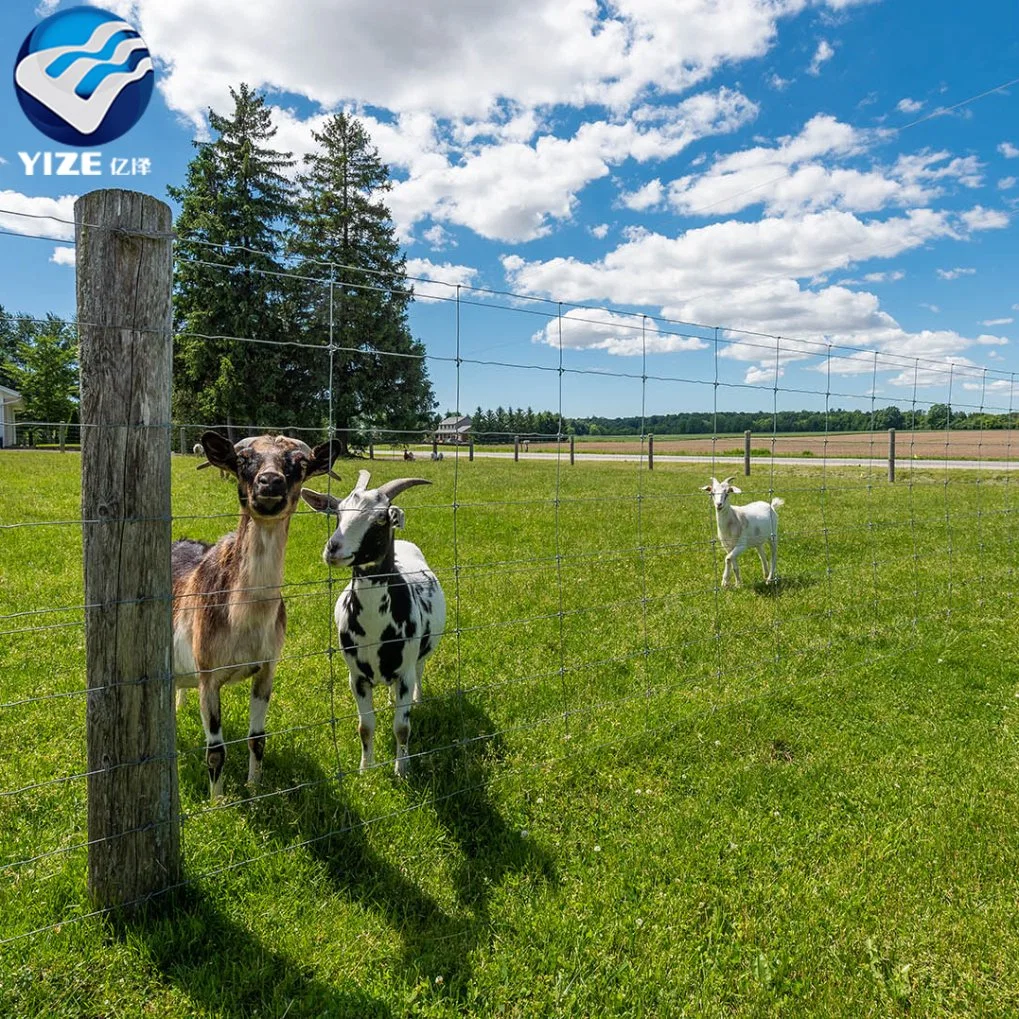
(198, 450)
(743, 527)
(229, 619)
(391, 615)
(408, 454)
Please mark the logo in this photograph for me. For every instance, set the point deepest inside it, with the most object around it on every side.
(83, 77)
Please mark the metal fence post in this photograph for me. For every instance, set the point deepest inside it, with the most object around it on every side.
(124, 280)
(573, 449)
(650, 452)
(516, 447)
(746, 453)
(891, 454)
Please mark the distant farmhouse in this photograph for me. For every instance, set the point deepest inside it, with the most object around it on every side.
(453, 430)
(10, 401)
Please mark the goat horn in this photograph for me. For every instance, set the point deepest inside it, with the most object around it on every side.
(391, 489)
(362, 481)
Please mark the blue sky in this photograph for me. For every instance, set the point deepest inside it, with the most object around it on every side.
(829, 172)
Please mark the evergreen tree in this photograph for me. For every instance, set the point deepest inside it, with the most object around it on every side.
(346, 244)
(231, 287)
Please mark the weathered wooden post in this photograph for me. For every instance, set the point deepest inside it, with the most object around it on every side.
(124, 278)
(371, 450)
(183, 441)
(470, 448)
(891, 454)
(435, 448)
(650, 452)
(746, 452)
(573, 449)
(516, 447)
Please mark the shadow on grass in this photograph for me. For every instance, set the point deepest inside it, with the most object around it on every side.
(786, 584)
(226, 971)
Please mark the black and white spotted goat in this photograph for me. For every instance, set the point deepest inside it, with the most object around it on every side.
(391, 615)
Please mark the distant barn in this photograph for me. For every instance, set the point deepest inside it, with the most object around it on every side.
(453, 430)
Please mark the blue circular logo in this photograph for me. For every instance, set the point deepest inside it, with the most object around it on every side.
(83, 77)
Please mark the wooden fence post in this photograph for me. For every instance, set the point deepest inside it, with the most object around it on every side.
(516, 447)
(650, 452)
(746, 452)
(470, 448)
(124, 279)
(891, 454)
(573, 449)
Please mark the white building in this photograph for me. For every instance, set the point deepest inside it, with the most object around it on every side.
(10, 401)
(453, 429)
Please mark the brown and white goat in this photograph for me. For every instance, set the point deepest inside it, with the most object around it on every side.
(229, 619)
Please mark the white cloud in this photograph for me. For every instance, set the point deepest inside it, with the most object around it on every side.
(1008, 150)
(438, 238)
(884, 277)
(823, 52)
(931, 307)
(1006, 183)
(908, 105)
(434, 282)
(601, 231)
(954, 274)
(997, 321)
(801, 173)
(623, 335)
(537, 184)
(454, 60)
(979, 218)
(43, 217)
(63, 256)
(644, 198)
(777, 82)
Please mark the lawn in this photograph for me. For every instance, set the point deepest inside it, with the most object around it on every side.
(632, 794)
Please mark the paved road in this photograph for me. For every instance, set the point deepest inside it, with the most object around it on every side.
(736, 463)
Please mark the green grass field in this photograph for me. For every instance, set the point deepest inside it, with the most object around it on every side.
(634, 795)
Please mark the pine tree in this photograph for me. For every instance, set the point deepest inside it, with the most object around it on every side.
(346, 243)
(234, 305)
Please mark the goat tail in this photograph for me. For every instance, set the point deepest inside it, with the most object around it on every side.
(776, 502)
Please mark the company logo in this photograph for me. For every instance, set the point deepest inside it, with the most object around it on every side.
(83, 77)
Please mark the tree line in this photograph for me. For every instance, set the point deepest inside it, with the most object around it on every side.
(290, 293)
(495, 425)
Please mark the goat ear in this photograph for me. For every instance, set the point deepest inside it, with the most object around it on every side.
(322, 457)
(735, 490)
(320, 502)
(705, 488)
(397, 517)
(219, 451)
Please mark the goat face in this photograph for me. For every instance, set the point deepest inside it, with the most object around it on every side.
(720, 491)
(366, 520)
(270, 470)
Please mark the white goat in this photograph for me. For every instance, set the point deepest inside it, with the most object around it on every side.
(743, 527)
(391, 615)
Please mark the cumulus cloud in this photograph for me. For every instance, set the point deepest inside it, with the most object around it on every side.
(615, 333)
(979, 218)
(1008, 150)
(452, 59)
(823, 53)
(908, 105)
(1006, 183)
(644, 198)
(802, 173)
(600, 230)
(954, 274)
(63, 256)
(43, 217)
(434, 282)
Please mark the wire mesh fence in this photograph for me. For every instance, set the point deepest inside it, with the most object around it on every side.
(585, 607)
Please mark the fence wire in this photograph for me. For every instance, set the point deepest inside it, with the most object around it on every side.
(586, 612)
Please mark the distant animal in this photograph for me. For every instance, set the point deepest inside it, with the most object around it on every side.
(229, 619)
(743, 527)
(391, 615)
(408, 454)
(198, 450)
(437, 455)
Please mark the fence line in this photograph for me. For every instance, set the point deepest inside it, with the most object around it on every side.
(566, 676)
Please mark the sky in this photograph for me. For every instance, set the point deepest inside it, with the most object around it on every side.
(620, 208)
